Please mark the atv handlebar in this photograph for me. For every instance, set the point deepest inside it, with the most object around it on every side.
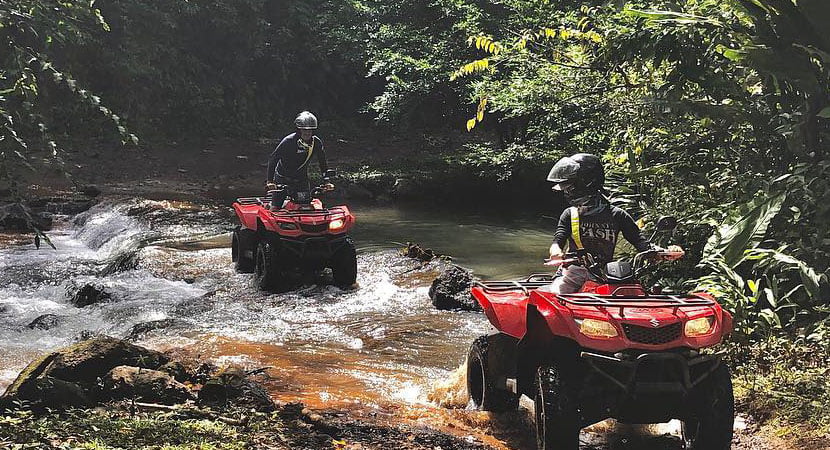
(585, 258)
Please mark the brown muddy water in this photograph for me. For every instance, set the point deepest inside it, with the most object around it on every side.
(380, 352)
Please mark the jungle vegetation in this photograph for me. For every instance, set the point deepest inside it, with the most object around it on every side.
(715, 111)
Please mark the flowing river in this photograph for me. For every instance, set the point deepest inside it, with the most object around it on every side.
(380, 351)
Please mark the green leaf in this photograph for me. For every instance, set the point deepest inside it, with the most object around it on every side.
(824, 113)
(732, 241)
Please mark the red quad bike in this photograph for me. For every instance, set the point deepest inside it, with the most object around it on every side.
(301, 236)
(613, 350)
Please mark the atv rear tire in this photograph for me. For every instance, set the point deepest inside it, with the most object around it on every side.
(268, 274)
(243, 243)
(710, 427)
(481, 384)
(344, 265)
(557, 421)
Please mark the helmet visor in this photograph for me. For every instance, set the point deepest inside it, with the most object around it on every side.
(564, 170)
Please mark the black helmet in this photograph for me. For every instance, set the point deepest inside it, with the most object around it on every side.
(579, 177)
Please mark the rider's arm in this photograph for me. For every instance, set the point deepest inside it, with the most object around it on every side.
(630, 231)
(277, 156)
(321, 156)
(563, 232)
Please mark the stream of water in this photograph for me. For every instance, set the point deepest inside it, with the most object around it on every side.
(380, 350)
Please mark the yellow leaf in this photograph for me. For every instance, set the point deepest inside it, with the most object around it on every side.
(480, 115)
(641, 223)
(564, 34)
(471, 123)
(549, 32)
(522, 43)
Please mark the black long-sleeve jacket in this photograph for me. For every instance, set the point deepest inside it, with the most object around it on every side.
(599, 232)
(290, 159)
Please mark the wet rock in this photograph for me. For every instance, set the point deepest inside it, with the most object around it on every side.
(91, 190)
(121, 263)
(127, 382)
(86, 295)
(18, 217)
(415, 251)
(451, 290)
(231, 388)
(68, 377)
(140, 329)
(46, 321)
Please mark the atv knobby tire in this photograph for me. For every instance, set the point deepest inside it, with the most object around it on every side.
(344, 265)
(481, 386)
(557, 420)
(268, 274)
(243, 243)
(710, 427)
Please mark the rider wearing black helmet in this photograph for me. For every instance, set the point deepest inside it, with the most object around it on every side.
(288, 163)
(591, 223)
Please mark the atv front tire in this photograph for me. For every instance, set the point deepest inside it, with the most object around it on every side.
(268, 274)
(243, 250)
(344, 265)
(710, 426)
(557, 422)
(481, 384)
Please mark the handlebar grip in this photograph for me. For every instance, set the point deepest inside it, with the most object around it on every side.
(559, 262)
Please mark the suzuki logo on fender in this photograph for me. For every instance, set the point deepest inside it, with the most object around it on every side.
(654, 322)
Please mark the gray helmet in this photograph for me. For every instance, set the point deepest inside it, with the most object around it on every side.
(579, 177)
(306, 121)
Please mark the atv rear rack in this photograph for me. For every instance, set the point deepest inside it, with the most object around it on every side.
(506, 286)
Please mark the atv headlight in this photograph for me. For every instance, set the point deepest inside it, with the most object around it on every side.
(336, 224)
(699, 327)
(288, 226)
(596, 328)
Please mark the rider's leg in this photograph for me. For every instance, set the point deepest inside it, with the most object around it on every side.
(571, 280)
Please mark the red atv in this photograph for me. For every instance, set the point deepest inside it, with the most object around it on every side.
(300, 236)
(613, 350)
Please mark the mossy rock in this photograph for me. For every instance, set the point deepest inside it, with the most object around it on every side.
(81, 365)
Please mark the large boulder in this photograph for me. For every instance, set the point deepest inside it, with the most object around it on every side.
(127, 382)
(75, 370)
(451, 290)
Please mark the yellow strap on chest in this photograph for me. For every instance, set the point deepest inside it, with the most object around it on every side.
(308, 156)
(575, 228)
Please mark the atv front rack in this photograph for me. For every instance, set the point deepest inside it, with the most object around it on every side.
(266, 201)
(589, 299)
(652, 301)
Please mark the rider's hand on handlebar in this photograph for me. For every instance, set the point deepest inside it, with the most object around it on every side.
(327, 187)
(270, 186)
(672, 253)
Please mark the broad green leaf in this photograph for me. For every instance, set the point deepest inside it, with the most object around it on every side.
(824, 113)
(732, 241)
